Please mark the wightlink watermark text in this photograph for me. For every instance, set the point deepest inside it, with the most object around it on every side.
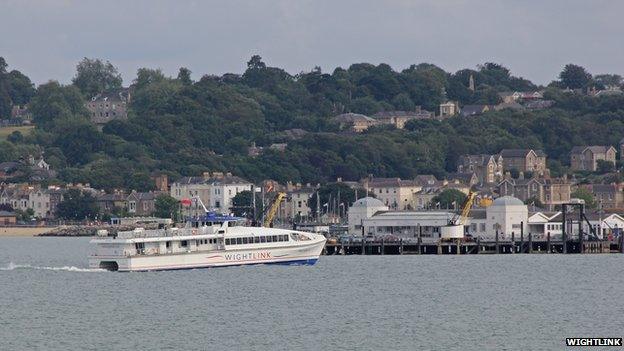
(594, 341)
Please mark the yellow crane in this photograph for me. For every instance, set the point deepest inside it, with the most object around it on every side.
(455, 228)
(268, 219)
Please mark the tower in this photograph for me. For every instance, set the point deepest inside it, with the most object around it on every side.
(471, 83)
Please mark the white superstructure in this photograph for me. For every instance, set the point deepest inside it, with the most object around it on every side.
(212, 241)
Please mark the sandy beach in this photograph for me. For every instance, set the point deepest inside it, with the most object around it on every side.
(24, 231)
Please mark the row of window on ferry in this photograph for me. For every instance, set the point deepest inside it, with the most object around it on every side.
(256, 239)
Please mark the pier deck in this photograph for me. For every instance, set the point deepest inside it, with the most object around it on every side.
(472, 247)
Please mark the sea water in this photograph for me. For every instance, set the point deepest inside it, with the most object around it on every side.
(49, 300)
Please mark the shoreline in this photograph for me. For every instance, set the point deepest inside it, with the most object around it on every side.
(24, 231)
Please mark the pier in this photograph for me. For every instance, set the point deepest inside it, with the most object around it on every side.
(476, 247)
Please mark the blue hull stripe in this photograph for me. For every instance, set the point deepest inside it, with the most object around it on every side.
(307, 262)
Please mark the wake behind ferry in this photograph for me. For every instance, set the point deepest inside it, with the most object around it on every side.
(208, 241)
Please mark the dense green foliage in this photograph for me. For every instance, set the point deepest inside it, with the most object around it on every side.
(15, 89)
(94, 77)
(77, 205)
(182, 127)
(166, 206)
(449, 198)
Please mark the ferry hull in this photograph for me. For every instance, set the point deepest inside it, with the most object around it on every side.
(296, 255)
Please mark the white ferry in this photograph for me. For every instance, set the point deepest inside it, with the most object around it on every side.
(211, 241)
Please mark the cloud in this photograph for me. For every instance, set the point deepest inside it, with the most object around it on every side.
(533, 38)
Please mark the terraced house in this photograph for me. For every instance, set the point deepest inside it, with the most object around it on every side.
(395, 193)
(488, 168)
(524, 160)
(585, 158)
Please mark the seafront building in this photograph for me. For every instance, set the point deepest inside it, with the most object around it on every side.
(216, 190)
(508, 216)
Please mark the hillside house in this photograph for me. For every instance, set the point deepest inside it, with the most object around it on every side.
(399, 118)
(585, 158)
(488, 168)
(524, 160)
(354, 122)
(105, 107)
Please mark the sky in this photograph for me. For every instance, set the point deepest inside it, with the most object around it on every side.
(534, 38)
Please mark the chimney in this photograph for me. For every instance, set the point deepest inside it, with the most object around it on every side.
(521, 175)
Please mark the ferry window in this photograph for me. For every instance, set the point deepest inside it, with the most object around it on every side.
(274, 238)
(256, 239)
(184, 243)
(239, 241)
(168, 244)
(198, 242)
(263, 239)
(269, 239)
(227, 241)
(245, 241)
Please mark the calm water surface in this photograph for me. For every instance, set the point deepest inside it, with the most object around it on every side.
(48, 301)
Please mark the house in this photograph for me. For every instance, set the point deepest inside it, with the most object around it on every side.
(395, 193)
(295, 207)
(223, 188)
(449, 108)
(399, 118)
(21, 113)
(548, 191)
(298, 202)
(354, 122)
(108, 106)
(608, 196)
(488, 168)
(474, 110)
(585, 158)
(141, 204)
(112, 203)
(556, 191)
(39, 202)
(422, 199)
(192, 187)
(509, 97)
(161, 181)
(467, 178)
(524, 160)
(44, 202)
(7, 218)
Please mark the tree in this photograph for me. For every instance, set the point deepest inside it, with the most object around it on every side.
(574, 77)
(93, 76)
(184, 76)
(54, 101)
(585, 195)
(449, 198)
(256, 63)
(77, 205)
(242, 204)
(604, 166)
(166, 206)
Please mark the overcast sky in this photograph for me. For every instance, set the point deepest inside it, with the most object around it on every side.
(534, 38)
